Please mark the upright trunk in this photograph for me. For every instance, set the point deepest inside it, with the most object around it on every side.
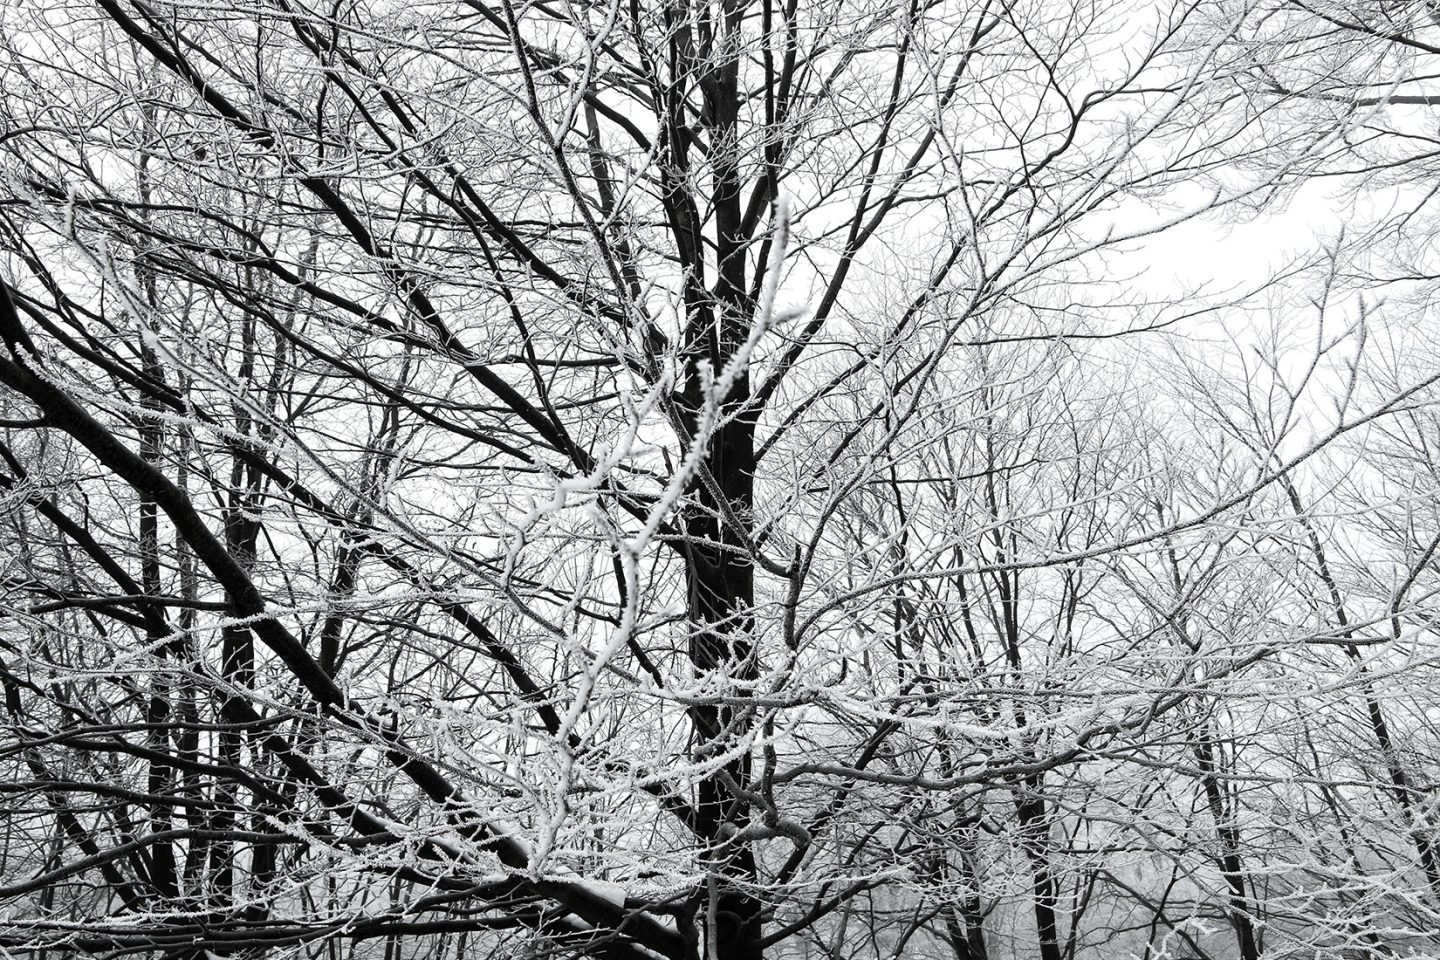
(237, 643)
(152, 435)
(1035, 838)
(720, 574)
(1031, 812)
(191, 785)
(1217, 798)
(158, 707)
(237, 653)
(1232, 868)
(965, 932)
(1402, 790)
(721, 594)
(964, 918)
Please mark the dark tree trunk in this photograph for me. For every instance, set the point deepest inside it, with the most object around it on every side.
(1232, 868)
(720, 573)
(1035, 836)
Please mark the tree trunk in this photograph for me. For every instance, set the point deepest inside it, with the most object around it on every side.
(1231, 866)
(720, 572)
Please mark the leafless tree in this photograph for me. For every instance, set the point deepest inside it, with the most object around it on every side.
(619, 479)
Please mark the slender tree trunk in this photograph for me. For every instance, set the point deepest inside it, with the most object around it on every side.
(237, 643)
(965, 917)
(1030, 809)
(1232, 868)
(188, 698)
(152, 435)
(1401, 788)
(1035, 837)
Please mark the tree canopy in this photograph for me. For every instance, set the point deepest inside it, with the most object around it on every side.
(718, 479)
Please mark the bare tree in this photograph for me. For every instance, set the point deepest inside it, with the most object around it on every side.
(603, 478)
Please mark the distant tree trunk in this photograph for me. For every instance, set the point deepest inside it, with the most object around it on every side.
(1035, 838)
(241, 533)
(1030, 807)
(152, 436)
(965, 917)
(1402, 789)
(1232, 867)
